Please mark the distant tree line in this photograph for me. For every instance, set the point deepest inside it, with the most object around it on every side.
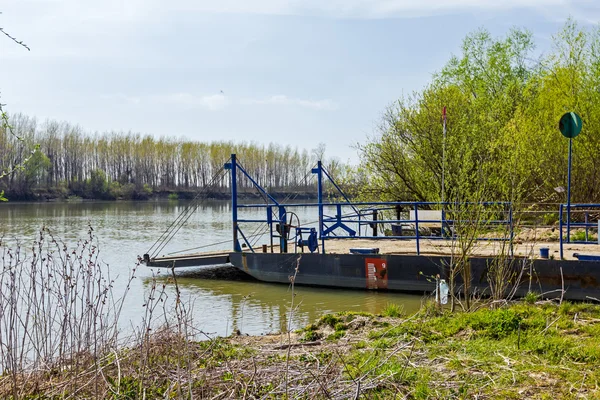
(126, 165)
(503, 106)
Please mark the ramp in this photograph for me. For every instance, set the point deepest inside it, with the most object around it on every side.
(187, 260)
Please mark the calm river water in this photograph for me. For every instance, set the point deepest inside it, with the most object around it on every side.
(125, 230)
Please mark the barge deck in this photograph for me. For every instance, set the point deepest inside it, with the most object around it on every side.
(438, 248)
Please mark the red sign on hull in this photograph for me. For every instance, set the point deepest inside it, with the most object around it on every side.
(376, 273)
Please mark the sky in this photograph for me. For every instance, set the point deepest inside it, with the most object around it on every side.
(292, 72)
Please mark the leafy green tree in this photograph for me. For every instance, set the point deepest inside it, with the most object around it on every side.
(37, 167)
(503, 110)
(97, 184)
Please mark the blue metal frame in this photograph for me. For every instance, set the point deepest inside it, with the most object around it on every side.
(319, 172)
(232, 166)
(327, 225)
(566, 233)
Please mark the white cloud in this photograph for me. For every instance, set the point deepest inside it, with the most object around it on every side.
(134, 10)
(211, 102)
(183, 100)
(220, 101)
(324, 104)
(70, 27)
(122, 98)
(358, 8)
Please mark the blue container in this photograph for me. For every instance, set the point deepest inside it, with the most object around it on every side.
(365, 250)
(544, 252)
(586, 257)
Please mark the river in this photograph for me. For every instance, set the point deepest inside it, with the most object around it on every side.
(126, 230)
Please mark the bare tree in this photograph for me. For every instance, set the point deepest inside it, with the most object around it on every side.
(4, 124)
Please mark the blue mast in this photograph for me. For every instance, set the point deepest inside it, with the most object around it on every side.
(319, 172)
(234, 205)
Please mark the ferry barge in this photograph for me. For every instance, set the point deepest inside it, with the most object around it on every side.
(420, 246)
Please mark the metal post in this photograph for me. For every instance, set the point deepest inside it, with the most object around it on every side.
(569, 192)
(320, 201)
(283, 230)
(360, 224)
(417, 229)
(234, 204)
(270, 222)
(374, 223)
(560, 230)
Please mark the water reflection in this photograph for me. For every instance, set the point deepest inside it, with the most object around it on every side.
(256, 307)
(125, 230)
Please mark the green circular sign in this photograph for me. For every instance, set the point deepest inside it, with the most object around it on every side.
(570, 125)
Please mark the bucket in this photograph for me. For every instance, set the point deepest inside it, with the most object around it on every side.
(544, 252)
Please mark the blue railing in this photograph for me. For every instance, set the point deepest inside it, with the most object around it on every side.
(365, 215)
(439, 229)
(565, 228)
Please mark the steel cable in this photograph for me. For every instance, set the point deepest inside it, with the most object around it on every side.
(183, 217)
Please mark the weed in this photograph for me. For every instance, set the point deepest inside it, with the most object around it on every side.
(530, 297)
(392, 310)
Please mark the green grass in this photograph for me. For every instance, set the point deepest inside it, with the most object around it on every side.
(522, 351)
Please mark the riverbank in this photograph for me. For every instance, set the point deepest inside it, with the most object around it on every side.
(521, 350)
(148, 194)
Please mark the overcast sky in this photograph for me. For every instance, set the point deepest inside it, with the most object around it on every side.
(294, 72)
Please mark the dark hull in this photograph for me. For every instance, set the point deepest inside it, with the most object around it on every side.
(416, 274)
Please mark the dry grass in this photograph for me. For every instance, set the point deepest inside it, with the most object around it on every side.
(521, 351)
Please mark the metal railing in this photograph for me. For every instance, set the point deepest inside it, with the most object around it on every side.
(452, 215)
(580, 222)
(482, 216)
